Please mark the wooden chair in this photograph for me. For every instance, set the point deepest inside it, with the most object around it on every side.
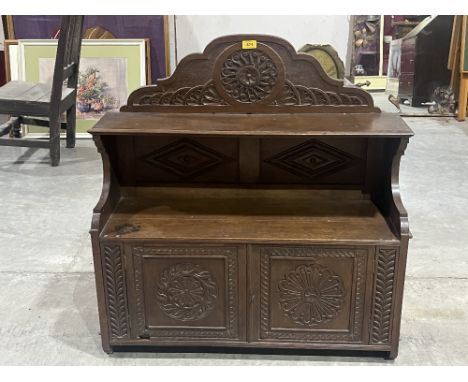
(43, 104)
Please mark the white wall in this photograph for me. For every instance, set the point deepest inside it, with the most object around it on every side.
(193, 33)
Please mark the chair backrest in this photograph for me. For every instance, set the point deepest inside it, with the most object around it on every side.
(68, 57)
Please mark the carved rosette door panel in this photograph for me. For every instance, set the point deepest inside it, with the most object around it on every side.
(310, 294)
(187, 292)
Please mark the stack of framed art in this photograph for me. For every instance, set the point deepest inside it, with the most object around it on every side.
(109, 71)
(110, 68)
(152, 27)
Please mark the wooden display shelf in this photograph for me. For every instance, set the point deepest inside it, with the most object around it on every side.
(247, 216)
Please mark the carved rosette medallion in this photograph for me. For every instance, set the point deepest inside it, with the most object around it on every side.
(311, 295)
(186, 292)
(249, 75)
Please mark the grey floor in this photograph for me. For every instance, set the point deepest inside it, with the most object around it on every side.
(48, 312)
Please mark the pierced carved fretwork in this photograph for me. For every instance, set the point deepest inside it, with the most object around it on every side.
(207, 95)
(299, 95)
(115, 287)
(383, 295)
(200, 95)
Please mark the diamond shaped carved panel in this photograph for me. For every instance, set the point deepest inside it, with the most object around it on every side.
(186, 158)
(311, 159)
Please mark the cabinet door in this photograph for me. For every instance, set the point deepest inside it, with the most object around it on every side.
(309, 294)
(187, 292)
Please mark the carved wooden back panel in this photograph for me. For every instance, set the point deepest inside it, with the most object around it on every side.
(271, 78)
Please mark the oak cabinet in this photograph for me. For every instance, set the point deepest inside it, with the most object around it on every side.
(250, 212)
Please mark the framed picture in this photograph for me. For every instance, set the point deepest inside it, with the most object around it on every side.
(11, 60)
(151, 27)
(2, 34)
(8, 28)
(2, 53)
(12, 56)
(109, 71)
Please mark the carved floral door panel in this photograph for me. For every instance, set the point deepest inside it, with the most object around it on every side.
(312, 293)
(186, 292)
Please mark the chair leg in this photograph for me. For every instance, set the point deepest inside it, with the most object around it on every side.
(71, 126)
(55, 141)
(10, 126)
(16, 131)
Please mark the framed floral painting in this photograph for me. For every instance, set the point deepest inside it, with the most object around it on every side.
(109, 71)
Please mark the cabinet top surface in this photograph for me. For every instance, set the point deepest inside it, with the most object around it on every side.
(242, 124)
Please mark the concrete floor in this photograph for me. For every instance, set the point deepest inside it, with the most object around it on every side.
(48, 310)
